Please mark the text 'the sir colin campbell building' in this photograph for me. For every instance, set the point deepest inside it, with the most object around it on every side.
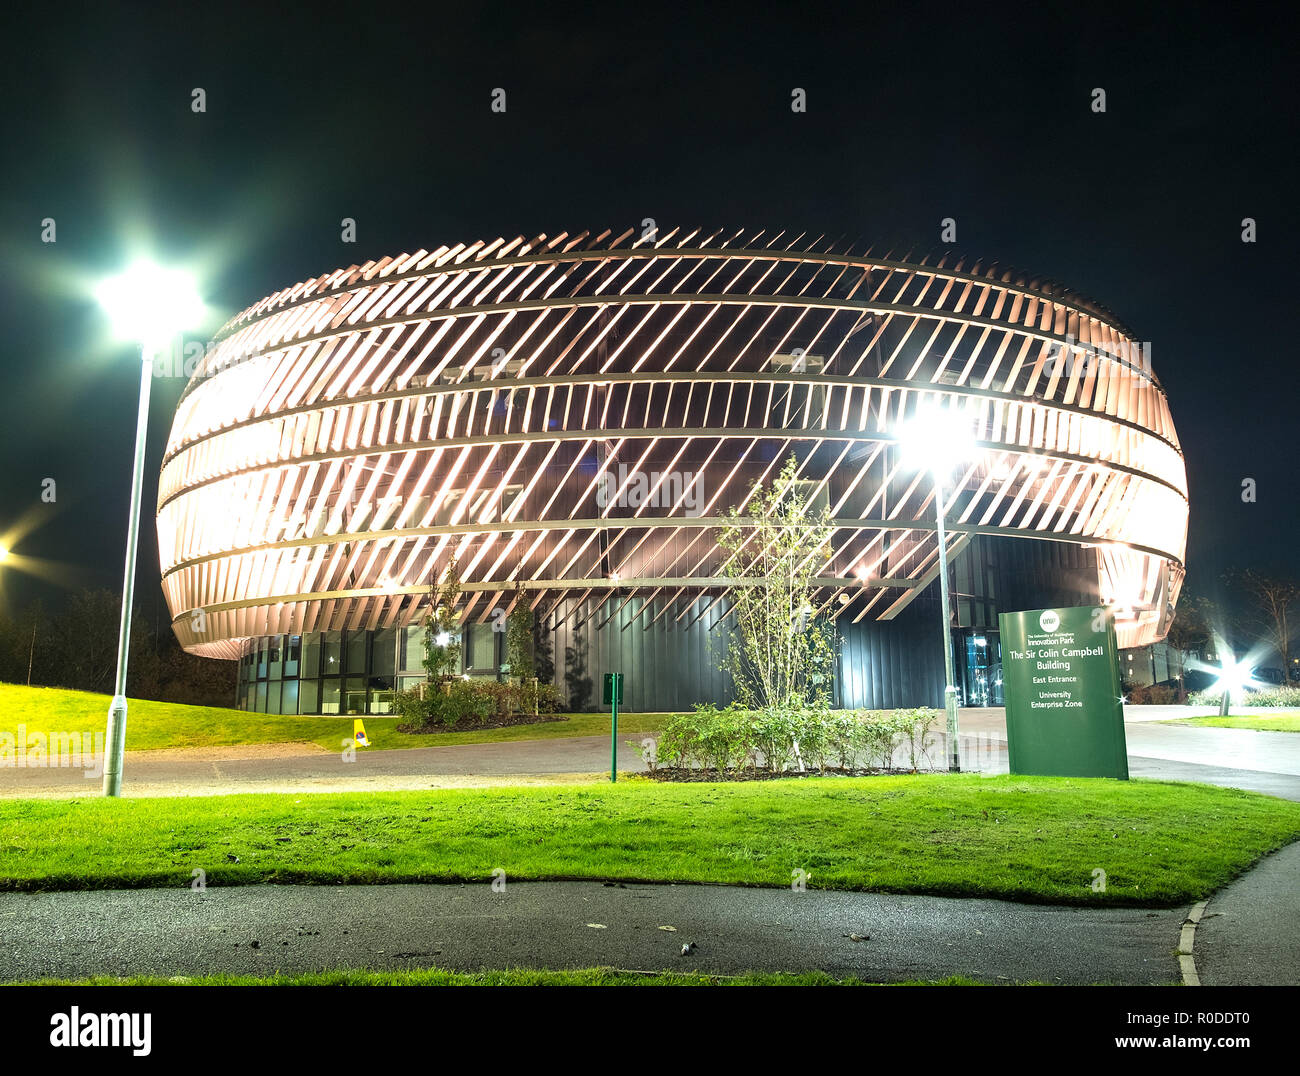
(569, 417)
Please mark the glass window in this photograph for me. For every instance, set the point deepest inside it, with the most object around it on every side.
(332, 653)
(329, 696)
(408, 683)
(250, 696)
(261, 659)
(261, 697)
(482, 649)
(412, 652)
(276, 657)
(310, 665)
(291, 655)
(356, 652)
(354, 695)
(381, 695)
(309, 696)
(272, 696)
(383, 652)
(289, 700)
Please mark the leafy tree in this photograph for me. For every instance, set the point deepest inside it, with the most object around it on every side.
(781, 653)
(442, 626)
(1192, 629)
(519, 641)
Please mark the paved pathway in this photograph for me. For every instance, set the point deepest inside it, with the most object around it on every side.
(1266, 762)
(578, 924)
(1250, 933)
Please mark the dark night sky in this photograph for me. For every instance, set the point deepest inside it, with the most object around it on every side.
(617, 113)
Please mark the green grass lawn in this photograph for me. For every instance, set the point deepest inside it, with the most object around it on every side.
(512, 977)
(153, 725)
(1035, 839)
(1271, 723)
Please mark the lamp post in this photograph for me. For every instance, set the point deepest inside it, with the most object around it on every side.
(146, 304)
(935, 439)
(950, 690)
(1234, 677)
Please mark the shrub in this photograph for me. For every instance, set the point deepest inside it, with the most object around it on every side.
(917, 728)
(772, 733)
(462, 700)
(540, 698)
(412, 709)
(881, 733)
(1154, 695)
(456, 700)
(450, 703)
(778, 738)
(1270, 696)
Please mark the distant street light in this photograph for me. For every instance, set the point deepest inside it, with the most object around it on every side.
(148, 305)
(1234, 677)
(936, 439)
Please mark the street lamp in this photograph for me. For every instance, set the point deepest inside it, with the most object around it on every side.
(146, 304)
(935, 439)
(1234, 677)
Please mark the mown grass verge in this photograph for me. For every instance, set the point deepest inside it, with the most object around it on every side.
(1257, 722)
(153, 725)
(1034, 839)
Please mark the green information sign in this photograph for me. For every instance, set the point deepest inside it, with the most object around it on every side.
(1060, 678)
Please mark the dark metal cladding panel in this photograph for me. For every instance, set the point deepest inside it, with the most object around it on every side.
(892, 664)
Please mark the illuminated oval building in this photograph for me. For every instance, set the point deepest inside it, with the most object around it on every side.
(569, 418)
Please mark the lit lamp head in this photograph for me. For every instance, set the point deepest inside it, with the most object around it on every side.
(1234, 677)
(936, 438)
(149, 304)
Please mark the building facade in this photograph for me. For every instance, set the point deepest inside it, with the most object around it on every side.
(570, 417)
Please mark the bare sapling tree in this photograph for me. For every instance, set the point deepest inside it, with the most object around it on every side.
(781, 652)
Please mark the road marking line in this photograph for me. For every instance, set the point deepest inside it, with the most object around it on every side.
(1187, 942)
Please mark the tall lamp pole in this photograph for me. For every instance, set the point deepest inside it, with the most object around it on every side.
(936, 439)
(115, 737)
(950, 690)
(147, 305)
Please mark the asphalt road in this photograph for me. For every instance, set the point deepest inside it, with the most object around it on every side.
(264, 929)
(1266, 762)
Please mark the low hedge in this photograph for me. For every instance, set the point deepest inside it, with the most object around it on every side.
(1278, 697)
(776, 739)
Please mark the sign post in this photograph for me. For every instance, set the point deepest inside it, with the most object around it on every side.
(612, 694)
(1060, 677)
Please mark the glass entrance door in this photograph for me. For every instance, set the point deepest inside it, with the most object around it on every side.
(981, 672)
